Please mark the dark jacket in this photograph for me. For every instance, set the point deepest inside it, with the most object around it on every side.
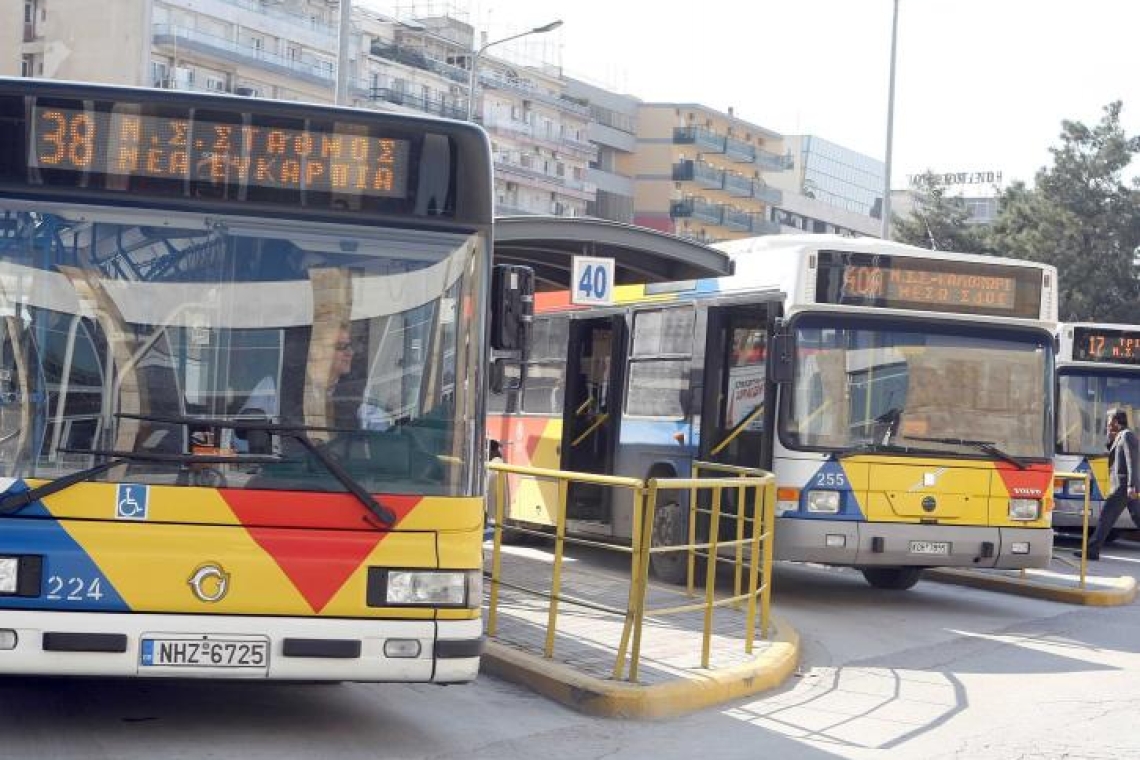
(1124, 461)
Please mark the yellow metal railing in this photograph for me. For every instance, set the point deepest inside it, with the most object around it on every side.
(1085, 512)
(645, 496)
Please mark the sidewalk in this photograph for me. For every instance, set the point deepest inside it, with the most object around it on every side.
(671, 680)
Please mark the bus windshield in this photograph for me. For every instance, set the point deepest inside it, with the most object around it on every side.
(1084, 398)
(860, 384)
(143, 335)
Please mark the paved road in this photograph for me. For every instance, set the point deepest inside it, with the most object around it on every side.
(937, 672)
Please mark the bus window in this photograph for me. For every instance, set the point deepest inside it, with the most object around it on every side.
(546, 368)
(660, 364)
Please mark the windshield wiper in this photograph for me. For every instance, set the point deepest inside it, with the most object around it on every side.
(874, 447)
(988, 447)
(298, 433)
(13, 502)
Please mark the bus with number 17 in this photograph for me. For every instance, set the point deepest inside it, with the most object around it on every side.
(1098, 369)
(903, 398)
(242, 357)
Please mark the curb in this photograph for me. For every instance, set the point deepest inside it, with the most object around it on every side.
(621, 699)
(1123, 593)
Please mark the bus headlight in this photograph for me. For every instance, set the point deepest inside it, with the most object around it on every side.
(1077, 487)
(9, 575)
(428, 588)
(1024, 509)
(826, 502)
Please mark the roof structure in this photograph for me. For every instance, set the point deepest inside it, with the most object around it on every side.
(641, 255)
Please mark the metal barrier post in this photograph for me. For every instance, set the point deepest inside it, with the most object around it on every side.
(754, 569)
(690, 575)
(497, 553)
(710, 575)
(1085, 529)
(738, 567)
(556, 579)
(769, 541)
(633, 614)
(641, 552)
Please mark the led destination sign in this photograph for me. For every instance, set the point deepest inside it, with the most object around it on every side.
(1094, 344)
(897, 282)
(119, 146)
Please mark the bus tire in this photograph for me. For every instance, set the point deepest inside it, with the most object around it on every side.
(892, 578)
(670, 528)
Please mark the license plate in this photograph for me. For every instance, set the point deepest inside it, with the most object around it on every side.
(248, 654)
(930, 547)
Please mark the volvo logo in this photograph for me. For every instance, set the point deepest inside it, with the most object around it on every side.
(210, 583)
(929, 503)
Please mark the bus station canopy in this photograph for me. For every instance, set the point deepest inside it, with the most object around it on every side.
(641, 255)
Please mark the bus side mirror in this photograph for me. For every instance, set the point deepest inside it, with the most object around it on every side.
(781, 359)
(512, 308)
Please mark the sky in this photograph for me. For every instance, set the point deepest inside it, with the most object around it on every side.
(981, 85)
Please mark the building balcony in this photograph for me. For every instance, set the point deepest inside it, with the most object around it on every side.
(762, 226)
(228, 50)
(735, 219)
(549, 182)
(528, 133)
(773, 161)
(418, 60)
(703, 174)
(531, 92)
(738, 150)
(700, 137)
(737, 185)
(437, 106)
(284, 14)
(698, 209)
(771, 195)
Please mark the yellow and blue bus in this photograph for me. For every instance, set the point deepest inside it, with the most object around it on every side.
(242, 359)
(902, 397)
(1098, 368)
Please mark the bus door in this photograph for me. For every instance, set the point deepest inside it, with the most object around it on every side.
(592, 410)
(736, 424)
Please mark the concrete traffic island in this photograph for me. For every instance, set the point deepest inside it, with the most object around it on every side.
(670, 679)
(1059, 583)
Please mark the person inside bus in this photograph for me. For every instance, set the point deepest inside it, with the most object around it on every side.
(1124, 479)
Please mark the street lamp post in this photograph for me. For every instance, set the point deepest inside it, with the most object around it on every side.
(344, 30)
(473, 73)
(885, 222)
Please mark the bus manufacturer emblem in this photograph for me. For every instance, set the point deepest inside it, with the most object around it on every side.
(210, 583)
(929, 503)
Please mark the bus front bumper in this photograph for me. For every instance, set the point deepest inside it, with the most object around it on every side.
(307, 649)
(863, 544)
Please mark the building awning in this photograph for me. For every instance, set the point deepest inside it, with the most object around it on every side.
(641, 255)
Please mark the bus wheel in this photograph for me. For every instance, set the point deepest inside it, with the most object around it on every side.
(895, 578)
(670, 528)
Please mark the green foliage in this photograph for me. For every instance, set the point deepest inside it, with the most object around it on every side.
(936, 221)
(1081, 217)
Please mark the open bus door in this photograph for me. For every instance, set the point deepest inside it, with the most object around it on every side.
(735, 425)
(595, 369)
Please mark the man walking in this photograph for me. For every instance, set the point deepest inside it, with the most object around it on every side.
(1123, 478)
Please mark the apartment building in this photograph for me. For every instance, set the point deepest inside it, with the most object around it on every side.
(703, 174)
(287, 50)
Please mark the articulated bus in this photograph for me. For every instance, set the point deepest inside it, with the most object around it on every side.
(242, 359)
(1098, 369)
(902, 397)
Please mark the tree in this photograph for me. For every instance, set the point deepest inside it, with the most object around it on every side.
(936, 221)
(1081, 217)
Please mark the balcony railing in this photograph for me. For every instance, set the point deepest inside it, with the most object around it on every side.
(531, 92)
(738, 185)
(738, 150)
(738, 220)
(561, 143)
(233, 51)
(767, 193)
(773, 161)
(701, 137)
(284, 14)
(697, 208)
(705, 175)
(418, 60)
(762, 226)
(437, 106)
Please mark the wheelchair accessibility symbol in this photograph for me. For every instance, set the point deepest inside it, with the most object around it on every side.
(132, 501)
